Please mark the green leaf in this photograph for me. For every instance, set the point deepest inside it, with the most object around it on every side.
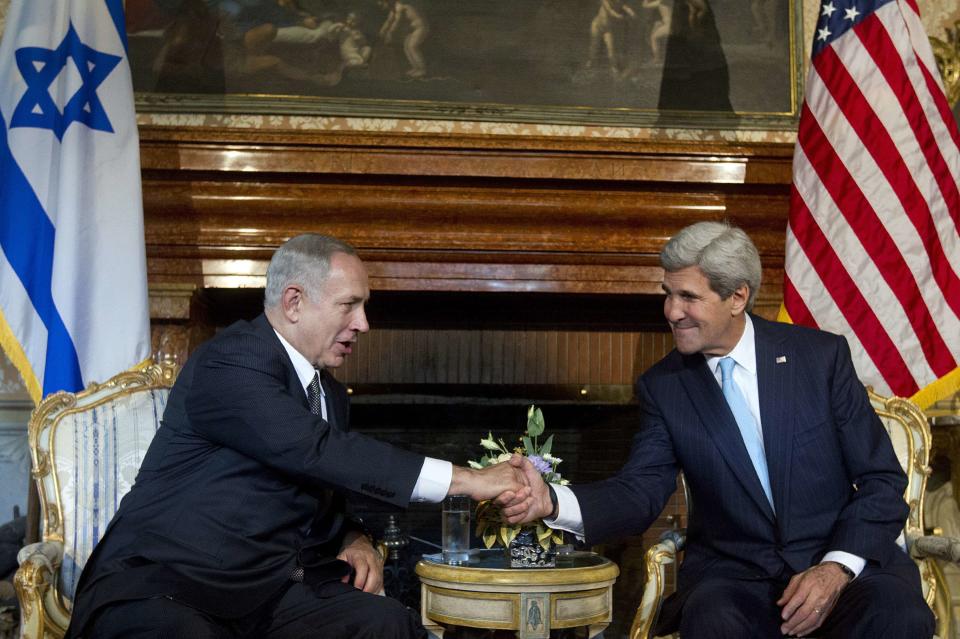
(535, 425)
(528, 446)
(545, 449)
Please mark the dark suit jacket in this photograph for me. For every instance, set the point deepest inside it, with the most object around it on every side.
(235, 487)
(836, 481)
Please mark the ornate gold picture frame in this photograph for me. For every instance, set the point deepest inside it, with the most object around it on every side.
(679, 63)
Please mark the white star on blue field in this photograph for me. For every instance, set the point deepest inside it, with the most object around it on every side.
(839, 16)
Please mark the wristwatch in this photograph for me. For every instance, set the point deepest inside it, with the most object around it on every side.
(553, 500)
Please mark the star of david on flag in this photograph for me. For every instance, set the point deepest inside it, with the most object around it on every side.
(73, 300)
(40, 68)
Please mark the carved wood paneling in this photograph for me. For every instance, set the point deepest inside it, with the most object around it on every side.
(450, 213)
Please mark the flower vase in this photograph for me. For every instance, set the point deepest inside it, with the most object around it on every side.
(526, 552)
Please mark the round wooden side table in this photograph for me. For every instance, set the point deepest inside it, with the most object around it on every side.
(484, 592)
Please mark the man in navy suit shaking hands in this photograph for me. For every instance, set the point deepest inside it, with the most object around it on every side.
(797, 493)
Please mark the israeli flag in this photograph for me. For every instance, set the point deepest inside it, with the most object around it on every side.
(73, 287)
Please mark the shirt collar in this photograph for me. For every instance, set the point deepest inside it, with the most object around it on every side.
(305, 370)
(744, 353)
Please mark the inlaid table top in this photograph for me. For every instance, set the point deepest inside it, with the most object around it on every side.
(484, 592)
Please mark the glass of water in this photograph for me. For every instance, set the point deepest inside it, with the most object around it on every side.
(456, 529)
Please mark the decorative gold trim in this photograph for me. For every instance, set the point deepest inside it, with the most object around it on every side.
(947, 55)
(31, 585)
(42, 465)
(928, 574)
(54, 520)
(942, 603)
(33, 582)
(655, 560)
(911, 419)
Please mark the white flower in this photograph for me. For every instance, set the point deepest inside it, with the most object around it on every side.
(474, 464)
(547, 457)
(488, 443)
(504, 457)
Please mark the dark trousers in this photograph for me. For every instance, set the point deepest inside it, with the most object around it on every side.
(876, 605)
(301, 612)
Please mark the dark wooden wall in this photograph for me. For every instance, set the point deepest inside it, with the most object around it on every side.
(432, 212)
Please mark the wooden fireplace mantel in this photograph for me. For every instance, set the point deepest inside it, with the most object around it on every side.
(434, 212)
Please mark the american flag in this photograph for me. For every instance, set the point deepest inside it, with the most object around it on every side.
(873, 251)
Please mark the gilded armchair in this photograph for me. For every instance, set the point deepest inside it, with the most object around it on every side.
(85, 450)
(910, 434)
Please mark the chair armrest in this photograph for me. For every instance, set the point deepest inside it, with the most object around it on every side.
(44, 551)
(936, 547)
(656, 560)
(41, 611)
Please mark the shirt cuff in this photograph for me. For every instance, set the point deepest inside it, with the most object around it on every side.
(568, 512)
(434, 481)
(853, 562)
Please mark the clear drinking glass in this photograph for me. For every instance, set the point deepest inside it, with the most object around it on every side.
(456, 529)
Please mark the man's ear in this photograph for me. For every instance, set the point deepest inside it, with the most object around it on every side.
(291, 302)
(740, 297)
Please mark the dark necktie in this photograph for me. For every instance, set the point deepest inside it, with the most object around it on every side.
(315, 395)
(315, 400)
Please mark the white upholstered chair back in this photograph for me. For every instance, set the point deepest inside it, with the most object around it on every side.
(86, 450)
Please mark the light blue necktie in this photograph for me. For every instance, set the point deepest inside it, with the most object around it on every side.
(748, 425)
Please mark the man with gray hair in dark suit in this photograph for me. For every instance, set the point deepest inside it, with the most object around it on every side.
(797, 495)
(236, 525)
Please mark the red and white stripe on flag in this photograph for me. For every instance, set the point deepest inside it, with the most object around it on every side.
(873, 243)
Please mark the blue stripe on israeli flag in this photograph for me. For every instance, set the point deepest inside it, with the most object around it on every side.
(27, 241)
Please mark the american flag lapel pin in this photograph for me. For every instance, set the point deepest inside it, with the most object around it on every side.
(781, 359)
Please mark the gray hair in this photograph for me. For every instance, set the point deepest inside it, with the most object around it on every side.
(724, 253)
(303, 260)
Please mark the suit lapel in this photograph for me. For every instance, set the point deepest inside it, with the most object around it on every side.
(335, 408)
(776, 385)
(293, 381)
(718, 421)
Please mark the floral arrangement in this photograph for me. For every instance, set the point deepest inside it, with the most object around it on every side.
(491, 526)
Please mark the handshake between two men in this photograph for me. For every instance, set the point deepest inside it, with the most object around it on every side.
(515, 485)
